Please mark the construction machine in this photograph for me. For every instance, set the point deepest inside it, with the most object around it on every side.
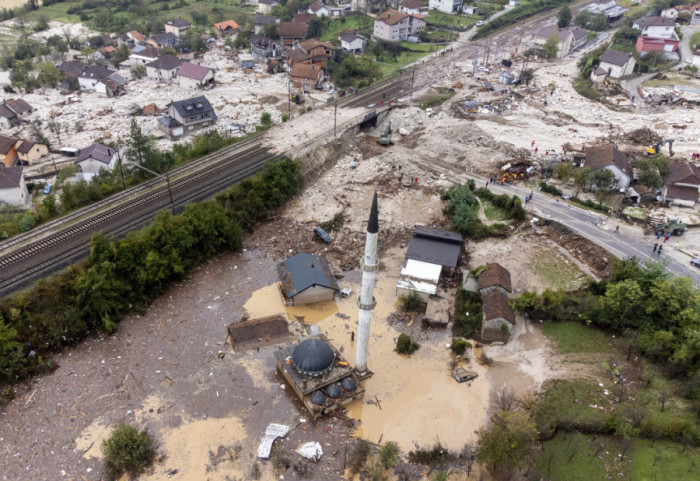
(655, 149)
(297, 97)
(672, 226)
(385, 138)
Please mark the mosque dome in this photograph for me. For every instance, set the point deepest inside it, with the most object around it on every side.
(313, 357)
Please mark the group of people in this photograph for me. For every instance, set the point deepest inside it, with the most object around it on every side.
(695, 156)
(548, 151)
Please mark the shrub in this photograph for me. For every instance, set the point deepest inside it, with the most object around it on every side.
(468, 307)
(127, 451)
(550, 189)
(389, 454)
(406, 345)
(359, 458)
(411, 301)
(591, 205)
(459, 346)
(438, 455)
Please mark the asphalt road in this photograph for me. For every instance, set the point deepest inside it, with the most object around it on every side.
(624, 244)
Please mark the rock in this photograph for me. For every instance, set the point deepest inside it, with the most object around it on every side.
(403, 131)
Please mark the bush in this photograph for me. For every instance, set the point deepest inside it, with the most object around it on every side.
(389, 454)
(438, 455)
(468, 306)
(406, 345)
(411, 301)
(127, 451)
(359, 458)
(459, 346)
(591, 205)
(518, 13)
(550, 189)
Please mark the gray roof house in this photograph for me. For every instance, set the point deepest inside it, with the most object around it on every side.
(13, 189)
(177, 26)
(163, 69)
(95, 158)
(185, 116)
(615, 64)
(435, 246)
(570, 38)
(306, 278)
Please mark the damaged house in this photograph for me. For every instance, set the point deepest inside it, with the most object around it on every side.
(306, 278)
(186, 116)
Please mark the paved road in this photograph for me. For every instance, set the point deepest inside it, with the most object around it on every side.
(684, 45)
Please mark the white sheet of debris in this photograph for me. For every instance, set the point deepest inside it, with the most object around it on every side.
(311, 450)
(272, 432)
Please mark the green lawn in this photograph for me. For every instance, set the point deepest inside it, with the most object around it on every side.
(492, 212)
(361, 23)
(438, 18)
(418, 50)
(695, 40)
(573, 337)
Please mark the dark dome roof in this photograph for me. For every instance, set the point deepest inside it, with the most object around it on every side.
(313, 357)
(318, 398)
(333, 391)
(349, 384)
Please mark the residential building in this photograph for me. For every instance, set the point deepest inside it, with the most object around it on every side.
(319, 9)
(498, 318)
(261, 21)
(226, 28)
(514, 3)
(352, 41)
(305, 279)
(298, 55)
(306, 76)
(186, 116)
(194, 76)
(395, 26)
(8, 151)
(72, 68)
(470, 10)
(682, 184)
(177, 27)
(247, 60)
(655, 27)
(163, 69)
(610, 9)
(95, 158)
(435, 246)
(13, 188)
(143, 55)
(111, 86)
(163, 40)
(610, 158)
(266, 6)
(445, 6)
(570, 38)
(30, 152)
(495, 279)
(648, 44)
(411, 7)
(615, 64)
(264, 49)
(291, 32)
(102, 80)
(13, 112)
(419, 277)
(693, 9)
(304, 18)
(316, 47)
(135, 36)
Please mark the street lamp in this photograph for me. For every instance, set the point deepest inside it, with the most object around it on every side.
(167, 180)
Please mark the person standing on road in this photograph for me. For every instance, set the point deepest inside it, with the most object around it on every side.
(667, 237)
(658, 235)
(617, 229)
(675, 246)
(658, 253)
(527, 199)
(656, 246)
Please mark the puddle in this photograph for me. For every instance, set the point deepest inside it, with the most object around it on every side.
(268, 301)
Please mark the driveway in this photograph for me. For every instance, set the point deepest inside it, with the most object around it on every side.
(631, 85)
(684, 46)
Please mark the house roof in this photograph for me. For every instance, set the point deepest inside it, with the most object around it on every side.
(302, 271)
(165, 62)
(297, 55)
(688, 8)
(316, 6)
(263, 329)
(304, 17)
(179, 23)
(495, 305)
(615, 57)
(305, 70)
(262, 42)
(192, 106)
(137, 36)
(411, 4)
(291, 29)
(7, 112)
(17, 106)
(682, 192)
(264, 19)
(600, 71)
(313, 43)
(603, 155)
(166, 38)
(150, 109)
(227, 24)
(193, 71)
(495, 276)
(146, 52)
(10, 177)
(418, 16)
(272, 3)
(98, 152)
(562, 33)
(109, 49)
(6, 144)
(391, 17)
(434, 246)
(95, 73)
(682, 172)
(26, 146)
(347, 35)
(654, 22)
(72, 67)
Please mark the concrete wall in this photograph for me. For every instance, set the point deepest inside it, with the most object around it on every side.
(491, 330)
(160, 75)
(425, 297)
(313, 294)
(92, 166)
(195, 84)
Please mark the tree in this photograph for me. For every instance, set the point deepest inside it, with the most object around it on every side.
(598, 22)
(622, 303)
(138, 70)
(49, 75)
(551, 46)
(563, 171)
(128, 451)
(315, 27)
(507, 444)
(582, 178)
(266, 119)
(652, 171)
(42, 23)
(527, 75)
(604, 181)
(582, 19)
(272, 31)
(120, 55)
(564, 17)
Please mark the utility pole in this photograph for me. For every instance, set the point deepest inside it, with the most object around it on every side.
(167, 180)
(335, 117)
(121, 171)
(413, 77)
(289, 98)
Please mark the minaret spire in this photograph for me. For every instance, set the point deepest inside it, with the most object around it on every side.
(366, 300)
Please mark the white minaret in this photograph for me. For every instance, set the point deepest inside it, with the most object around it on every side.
(366, 301)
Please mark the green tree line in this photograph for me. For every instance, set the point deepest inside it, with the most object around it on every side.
(518, 13)
(122, 276)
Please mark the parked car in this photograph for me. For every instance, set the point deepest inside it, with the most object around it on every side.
(323, 235)
(695, 262)
(480, 23)
(462, 375)
(47, 189)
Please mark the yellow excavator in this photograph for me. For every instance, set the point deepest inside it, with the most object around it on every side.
(655, 149)
(297, 97)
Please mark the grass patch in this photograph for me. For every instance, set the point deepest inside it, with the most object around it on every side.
(438, 18)
(583, 457)
(468, 313)
(573, 337)
(556, 272)
(695, 42)
(665, 460)
(492, 212)
(362, 23)
(413, 52)
(437, 97)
